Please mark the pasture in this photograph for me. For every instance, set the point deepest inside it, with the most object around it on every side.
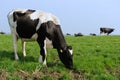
(95, 58)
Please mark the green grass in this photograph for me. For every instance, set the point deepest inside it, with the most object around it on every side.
(95, 58)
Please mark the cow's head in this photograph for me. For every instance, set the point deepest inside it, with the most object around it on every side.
(66, 57)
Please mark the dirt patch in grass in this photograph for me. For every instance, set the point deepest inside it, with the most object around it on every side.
(115, 72)
(76, 76)
(37, 74)
(3, 75)
(46, 74)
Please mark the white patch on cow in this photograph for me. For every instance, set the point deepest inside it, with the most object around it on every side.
(71, 51)
(35, 15)
(49, 17)
(55, 20)
(38, 25)
(43, 18)
(22, 10)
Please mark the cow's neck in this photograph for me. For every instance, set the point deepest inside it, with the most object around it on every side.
(59, 40)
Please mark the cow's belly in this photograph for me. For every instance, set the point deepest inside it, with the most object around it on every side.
(33, 38)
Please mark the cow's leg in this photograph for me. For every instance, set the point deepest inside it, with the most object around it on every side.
(108, 33)
(43, 52)
(15, 39)
(23, 48)
(100, 32)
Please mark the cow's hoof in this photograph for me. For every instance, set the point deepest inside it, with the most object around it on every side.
(16, 58)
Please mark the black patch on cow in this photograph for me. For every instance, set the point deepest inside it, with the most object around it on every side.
(18, 14)
(29, 11)
(26, 27)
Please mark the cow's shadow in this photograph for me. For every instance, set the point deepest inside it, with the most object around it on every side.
(6, 54)
(10, 55)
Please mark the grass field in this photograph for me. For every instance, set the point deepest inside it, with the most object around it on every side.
(95, 58)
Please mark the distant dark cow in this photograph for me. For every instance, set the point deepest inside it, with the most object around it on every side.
(106, 30)
(78, 34)
(92, 34)
(2, 32)
(42, 27)
(68, 34)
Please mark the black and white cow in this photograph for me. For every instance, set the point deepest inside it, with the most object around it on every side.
(78, 34)
(106, 30)
(43, 27)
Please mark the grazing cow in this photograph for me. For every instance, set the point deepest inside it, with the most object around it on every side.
(2, 32)
(106, 30)
(43, 27)
(92, 34)
(78, 34)
(68, 34)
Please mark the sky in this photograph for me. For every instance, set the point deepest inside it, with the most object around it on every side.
(85, 16)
